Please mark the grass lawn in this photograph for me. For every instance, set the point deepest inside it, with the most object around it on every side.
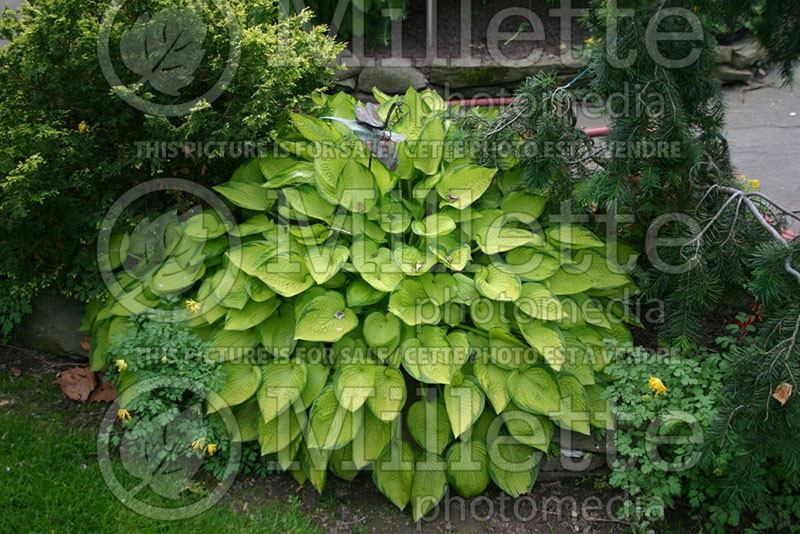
(51, 481)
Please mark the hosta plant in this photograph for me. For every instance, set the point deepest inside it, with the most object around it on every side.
(430, 324)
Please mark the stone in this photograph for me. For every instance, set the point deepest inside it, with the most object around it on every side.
(727, 74)
(347, 84)
(53, 326)
(724, 53)
(347, 65)
(746, 52)
(511, 71)
(391, 80)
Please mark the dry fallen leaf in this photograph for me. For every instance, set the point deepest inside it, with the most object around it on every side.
(77, 383)
(15, 371)
(86, 343)
(782, 393)
(104, 392)
(5, 402)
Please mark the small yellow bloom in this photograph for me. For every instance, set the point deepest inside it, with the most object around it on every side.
(83, 127)
(754, 183)
(198, 443)
(589, 41)
(657, 385)
(717, 472)
(124, 415)
(211, 448)
(121, 365)
(192, 305)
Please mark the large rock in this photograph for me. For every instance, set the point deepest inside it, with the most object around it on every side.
(490, 74)
(53, 326)
(391, 80)
(728, 74)
(746, 52)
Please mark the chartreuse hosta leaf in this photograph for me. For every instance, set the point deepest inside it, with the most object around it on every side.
(354, 384)
(427, 151)
(546, 338)
(498, 283)
(277, 332)
(356, 188)
(382, 332)
(454, 255)
(508, 352)
(429, 356)
(599, 408)
(428, 424)
(315, 129)
(341, 463)
(284, 273)
(252, 314)
(390, 393)
(574, 413)
(468, 467)
(412, 261)
(573, 236)
(464, 401)
(528, 428)
(492, 379)
(282, 381)
(429, 483)
(604, 273)
(368, 444)
(569, 280)
(286, 456)
(278, 432)
(327, 168)
(314, 463)
(240, 383)
(332, 426)
(248, 417)
(248, 195)
(394, 473)
(376, 265)
(530, 264)
(316, 377)
(411, 303)
(360, 293)
(461, 185)
(324, 262)
(513, 466)
(325, 318)
(539, 302)
(434, 225)
(535, 388)
(523, 207)
(495, 239)
(306, 200)
(440, 287)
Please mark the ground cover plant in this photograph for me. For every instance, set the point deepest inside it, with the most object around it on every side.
(347, 305)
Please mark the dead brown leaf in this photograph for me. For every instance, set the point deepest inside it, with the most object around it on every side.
(104, 392)
(77, 383)
(15, 371)
(782, 392)
(86, 343)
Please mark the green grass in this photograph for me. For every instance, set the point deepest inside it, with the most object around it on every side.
(50, 480)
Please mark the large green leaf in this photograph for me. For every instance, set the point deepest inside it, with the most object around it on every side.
(390, 393)
(599, 408)
(546, 338)
(332, 426)
(413, 262)
(368, 445)
(277, 332)
(382, 332)
(535, 389)
(324, 262)
(429, 356)
(539, 302)
(508, 352)
(252, 314)
(354, 384)
(530, 429)
(394, 473)
(574, 413)
(523, 207)
(427, 150)
(325, 318)
(429, 425)
(282, 381)
(460, 186)
(240, 383)
(428, 485)
(248, 195)
(468, 467)
(356, 188)
(513, 466)
(411, 303)
(434, 225)
(464, 401)
(492, 379)
(573, 236)
(278, 432)
(498, 283)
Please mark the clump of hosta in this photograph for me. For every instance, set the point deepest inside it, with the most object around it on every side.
(350, 301)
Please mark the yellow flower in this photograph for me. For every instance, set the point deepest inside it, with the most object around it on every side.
(211, 448)
(125, 415)
(717, 472)
(589, 41)
(121, 365)
(657, 385)
(83, 127)
(198, 443)
(754, 183)
(192, 305)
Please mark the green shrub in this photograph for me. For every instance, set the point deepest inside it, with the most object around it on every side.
(348, 294)
(69, 146)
